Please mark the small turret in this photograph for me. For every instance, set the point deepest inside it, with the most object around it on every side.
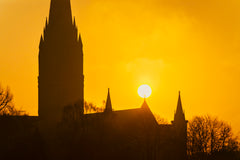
(179, 115)
(180, 125)
(108, 107)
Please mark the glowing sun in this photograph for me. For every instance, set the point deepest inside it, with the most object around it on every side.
(144, 91)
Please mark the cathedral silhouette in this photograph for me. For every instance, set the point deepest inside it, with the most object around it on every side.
(63, 131)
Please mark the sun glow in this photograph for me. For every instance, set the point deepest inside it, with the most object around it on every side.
(144, 91)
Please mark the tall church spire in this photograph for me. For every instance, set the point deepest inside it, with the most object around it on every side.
(61, 79)
(108, 107)
(60, 12)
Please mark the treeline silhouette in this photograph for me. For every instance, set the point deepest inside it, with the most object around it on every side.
(92, 108)
(72, 113)
(211, 139)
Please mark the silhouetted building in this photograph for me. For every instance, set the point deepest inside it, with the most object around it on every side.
(60, 80)
(133, 134)
(125, 134)
(62, 131)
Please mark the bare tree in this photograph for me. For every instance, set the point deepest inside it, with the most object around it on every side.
(160, 120)
(6, 103)
(5, 100)
(92, 108)
(208, 136)
(74, 112)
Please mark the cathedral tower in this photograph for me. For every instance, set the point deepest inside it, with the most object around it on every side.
(61, 79)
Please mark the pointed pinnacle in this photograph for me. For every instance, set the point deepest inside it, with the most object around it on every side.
(74, 21)
(46, 23)
(108, 102)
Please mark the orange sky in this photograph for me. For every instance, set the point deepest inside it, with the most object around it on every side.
(192, 46)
